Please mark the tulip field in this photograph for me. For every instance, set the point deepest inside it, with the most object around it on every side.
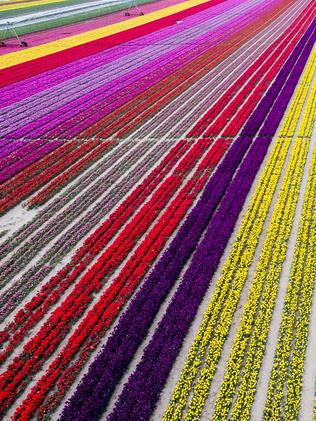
(158, 213)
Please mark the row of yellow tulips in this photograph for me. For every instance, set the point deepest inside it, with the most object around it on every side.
(208, 344)
(285, 382)
(240, 380)
(12, 7)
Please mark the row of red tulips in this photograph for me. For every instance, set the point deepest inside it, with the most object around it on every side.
(66, 176)
(39, 180)
(34, 169)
